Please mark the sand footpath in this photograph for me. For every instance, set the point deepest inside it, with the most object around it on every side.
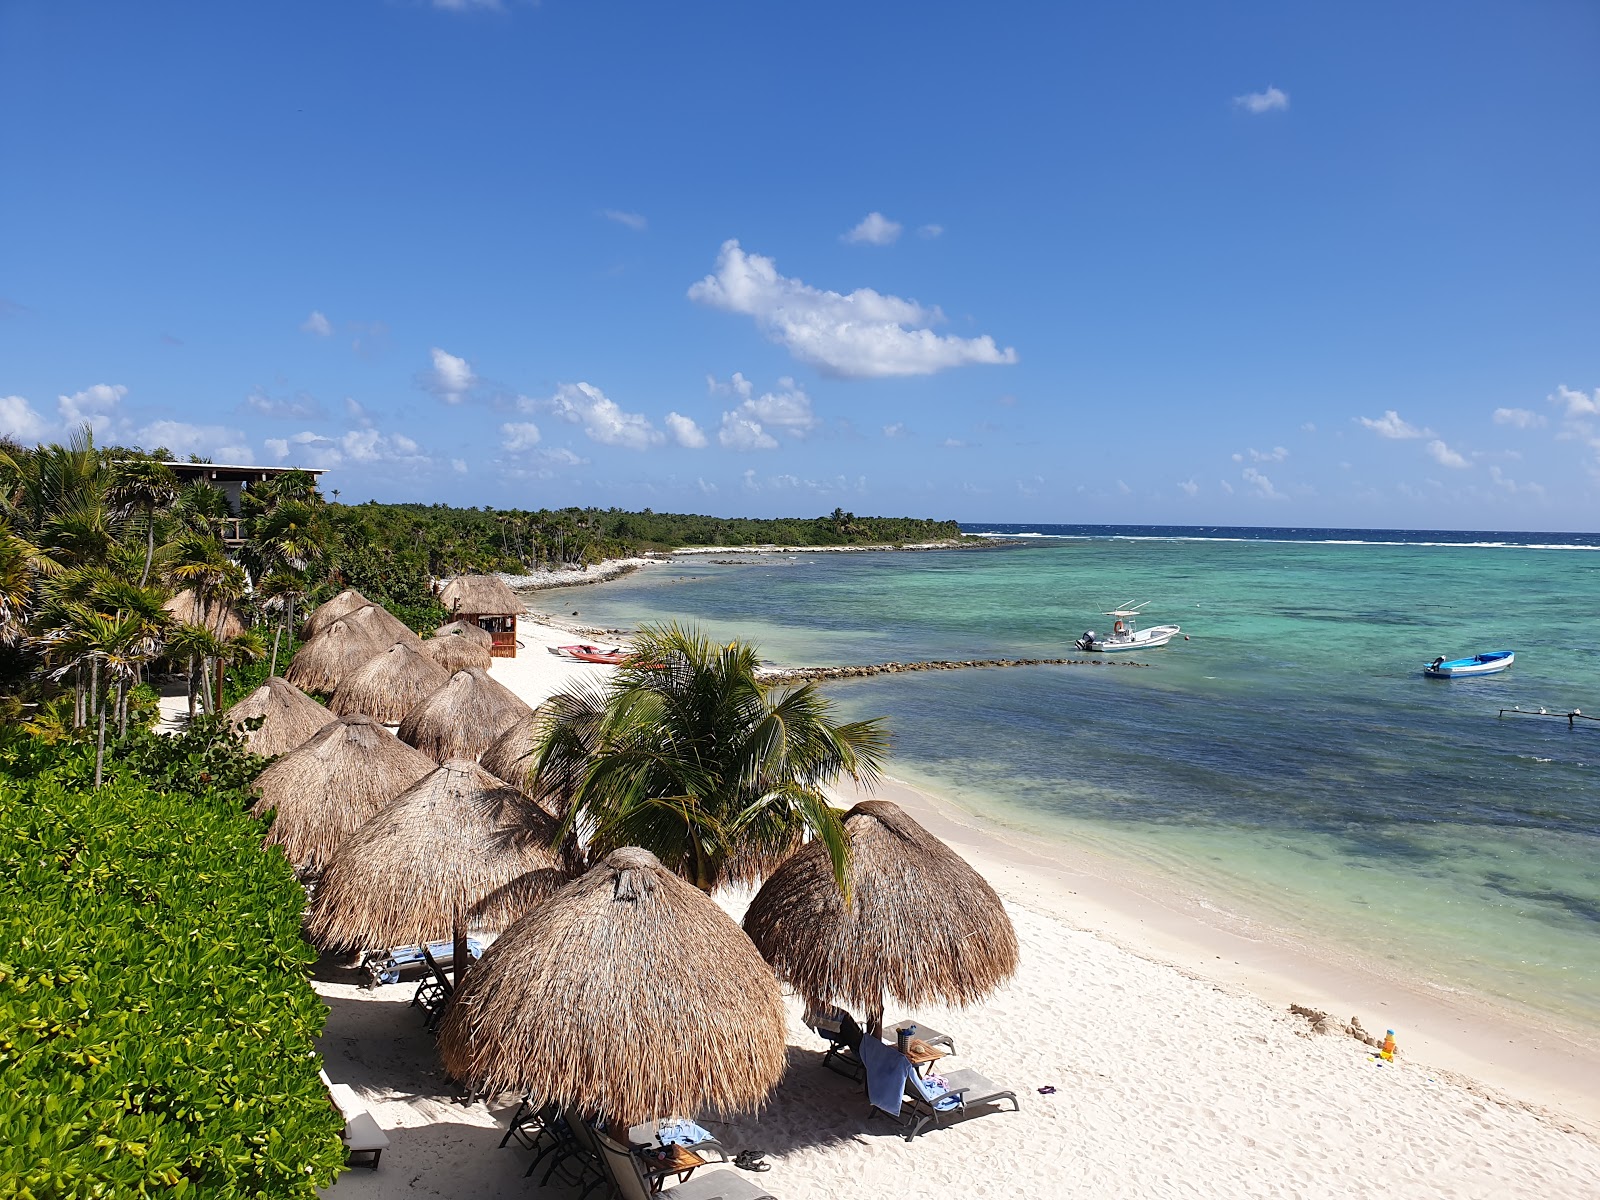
(1167, 1084)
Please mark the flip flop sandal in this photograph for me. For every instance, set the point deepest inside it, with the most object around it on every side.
(752, 1160)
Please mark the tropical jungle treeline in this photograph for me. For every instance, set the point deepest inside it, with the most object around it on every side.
(440, 540)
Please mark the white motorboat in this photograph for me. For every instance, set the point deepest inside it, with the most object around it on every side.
(1125, 633)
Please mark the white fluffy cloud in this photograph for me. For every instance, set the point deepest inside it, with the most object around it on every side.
(1576, 403)
(754, 424)
(1189, 487)
(1262, 484)
(875, 229)
(632, 220)
(19, 420)
(92, 406)
(586, 405)
(1446, 457)
(684, 431)
(519, 435)
(359, 446)
(1392, 425)
(450, 378)
(896, 430)
(1276, 454)
(316, 324)
(862, 335)
(1257, 103)
(216, 442)
(930, 231)
(1519, 418)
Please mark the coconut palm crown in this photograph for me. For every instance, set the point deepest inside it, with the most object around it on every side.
(688, 754)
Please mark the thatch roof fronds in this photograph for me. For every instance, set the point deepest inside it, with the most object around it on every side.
(327, 613)
(455, 653)
(511, 755)
(463, 717)
(383, 625)
(467, 629)
(414, 869)
(186, 609)
(322, 663)
(921, 925)
(329, 786)
(481, 595)
(629, 993)
(389, 686)
(290, 717)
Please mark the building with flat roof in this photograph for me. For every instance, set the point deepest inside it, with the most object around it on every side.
(232, 481)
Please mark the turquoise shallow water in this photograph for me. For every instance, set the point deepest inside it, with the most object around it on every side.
(1289, 757)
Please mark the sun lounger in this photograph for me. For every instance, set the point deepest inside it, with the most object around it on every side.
(578, 1160)
(363, 1139)
(844, 1036)
(655, 1135)
(388, 966)
(935, 1104)
(633, 1180)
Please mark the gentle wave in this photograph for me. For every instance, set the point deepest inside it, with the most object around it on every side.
(1193, 537)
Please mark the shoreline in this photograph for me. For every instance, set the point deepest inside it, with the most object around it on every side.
(1484, 1043)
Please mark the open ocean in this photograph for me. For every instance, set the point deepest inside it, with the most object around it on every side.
(1289, 758)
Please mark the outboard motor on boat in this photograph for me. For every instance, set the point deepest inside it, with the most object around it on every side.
(1086, 642)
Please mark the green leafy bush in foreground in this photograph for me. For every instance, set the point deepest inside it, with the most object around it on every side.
(156, 1023)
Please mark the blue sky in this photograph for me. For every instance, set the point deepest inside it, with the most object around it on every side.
(1328, 264)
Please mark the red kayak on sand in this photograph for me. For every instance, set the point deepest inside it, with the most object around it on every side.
(594, 654)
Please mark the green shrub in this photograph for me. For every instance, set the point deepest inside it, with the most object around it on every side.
(156, 1024)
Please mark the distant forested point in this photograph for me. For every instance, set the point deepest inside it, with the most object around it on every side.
(453, 540)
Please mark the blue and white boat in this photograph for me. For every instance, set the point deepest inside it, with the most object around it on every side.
(1491, 663)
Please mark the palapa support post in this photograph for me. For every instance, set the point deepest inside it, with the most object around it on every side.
(875, 1022)
(460, 955)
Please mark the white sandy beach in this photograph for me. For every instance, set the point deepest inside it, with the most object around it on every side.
(1170, 1081)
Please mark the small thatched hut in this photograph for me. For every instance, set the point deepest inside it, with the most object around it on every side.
(463, 717)
(323, 663)
(327, 613)
(485, 601)
(627, 961)
(329, 786)
(216, 615)
(383, 625)
(389, 686)
(474, 633)
(414, 871)
(921, 925)
(290, 717)
(456, 652)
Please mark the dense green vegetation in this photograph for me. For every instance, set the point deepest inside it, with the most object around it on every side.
(156, 1024)
(421, 540)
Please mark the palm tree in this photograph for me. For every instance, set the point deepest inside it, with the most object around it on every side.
(197, 646)
(689, 755)
(143, 485)
(105, 644)
(279, 592)
(21, 564)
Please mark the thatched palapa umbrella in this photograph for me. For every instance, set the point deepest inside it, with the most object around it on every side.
(413, 872)
(383, 625)
(456, 652)
(323, 790)
(218, 616)
(463, 717)
(322, 663)
(511, 755)
(468, 630)
(920, 925)
(389, 686)
(290, 717)
(628, 993)
(327, 613)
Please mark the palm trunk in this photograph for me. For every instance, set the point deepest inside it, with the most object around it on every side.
(78, 717)
(100, 751)
(122, 708)
(149, 548)
(206, 703)
(191, 687)
(272, 667)
(94, 689)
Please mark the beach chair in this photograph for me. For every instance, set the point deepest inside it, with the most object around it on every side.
(390, 965)
(364, 1141)
(434, 994)
(632, 1178)
(578, 1161)
(839, 1029)
(938, 1099)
